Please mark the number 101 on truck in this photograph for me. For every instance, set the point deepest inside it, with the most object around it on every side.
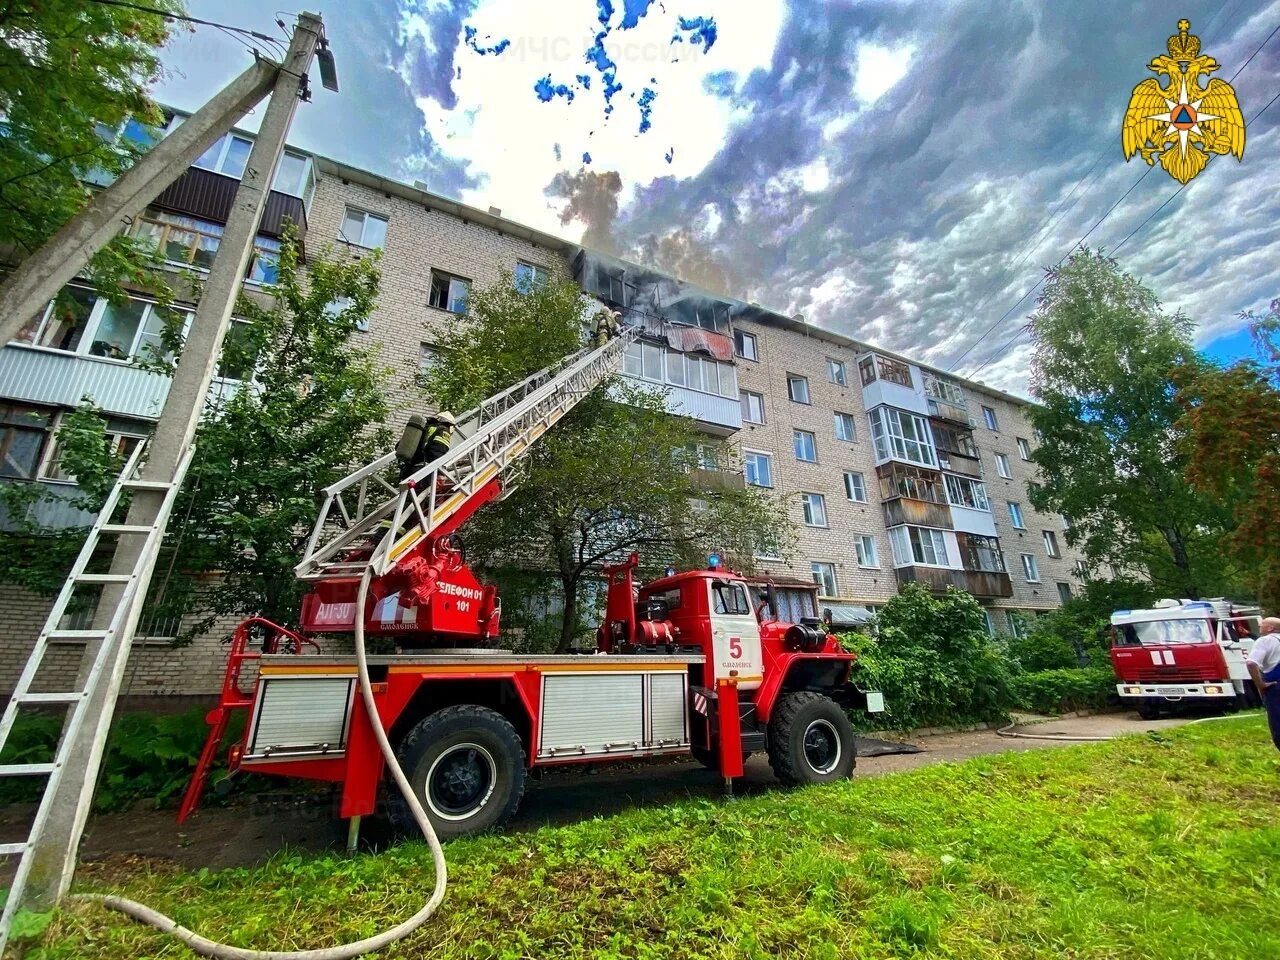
(687, 664)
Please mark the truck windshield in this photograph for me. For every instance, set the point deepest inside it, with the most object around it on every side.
(1165, 632)
(729, 598)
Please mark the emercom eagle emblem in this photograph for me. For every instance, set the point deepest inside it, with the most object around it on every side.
(1183, 123)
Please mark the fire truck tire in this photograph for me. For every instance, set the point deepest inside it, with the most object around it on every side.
(466, 764)
(810, 740)
(1149, 710)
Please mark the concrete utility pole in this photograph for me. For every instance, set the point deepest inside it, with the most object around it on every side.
(54, 850)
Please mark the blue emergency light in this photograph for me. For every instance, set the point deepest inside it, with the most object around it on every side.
(713, 561)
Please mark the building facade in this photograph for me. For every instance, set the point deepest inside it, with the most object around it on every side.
(892, 472)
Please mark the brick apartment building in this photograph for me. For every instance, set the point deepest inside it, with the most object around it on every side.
(892, 471)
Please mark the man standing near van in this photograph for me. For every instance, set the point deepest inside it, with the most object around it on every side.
(1263, 662)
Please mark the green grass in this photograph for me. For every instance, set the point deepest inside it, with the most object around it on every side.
(1147, 847)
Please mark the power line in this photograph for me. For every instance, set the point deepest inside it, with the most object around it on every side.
(1026, 328)
(168, 15)
(1098, 223)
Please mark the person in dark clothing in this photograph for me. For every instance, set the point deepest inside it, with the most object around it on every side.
(424, 441)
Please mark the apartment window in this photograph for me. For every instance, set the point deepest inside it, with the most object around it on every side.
(1015, 515)
(449, 292)
(295, 177)
(702, 373)
(865, 546)
(1019, 623)
(837, 373)
(989, 416)
(798, 388)
(922, 545)
(363, 229)
(239, 353)
(768, 547)
(1081, 570)
(530, 276)
(1002, 466)
(79, 321)
(1051, 544)
(228, 155)
(900, 434)
(24, 431)
(815, 509)
(122, 437)
(1024, 449)
(752, 406)
(805, 446)
(824, 575)
(264, 262)
(845, 429)
(759, 468)
(982, 554)
(1030, 568)
(643, 360)
(179, 239)
(1064, 592)
(990, 622)
(427, 356)
(964, 492)
(744, 345)
(855, 487)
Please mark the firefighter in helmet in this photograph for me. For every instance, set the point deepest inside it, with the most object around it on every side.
(608, 326)
(424, 440)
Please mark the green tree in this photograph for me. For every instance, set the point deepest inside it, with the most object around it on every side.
(71, 74)
(1105, 359)
(619, 474)
(311, 407)
(1231, 429)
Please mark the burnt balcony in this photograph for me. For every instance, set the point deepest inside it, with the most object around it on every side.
(988, 585)
(914, 496)
(946, 400)
(935, 579)
(984, 568)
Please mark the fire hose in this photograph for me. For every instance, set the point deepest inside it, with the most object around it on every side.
(1008, 731)
(223, 951)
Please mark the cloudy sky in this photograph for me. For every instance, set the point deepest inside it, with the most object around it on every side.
(897, 171)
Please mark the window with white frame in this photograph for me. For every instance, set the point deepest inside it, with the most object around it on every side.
(855, 486)
(643, 360)
(122, 437)
(768, 547)
(1030, 568)
(530, 276)
(1064, 592)
(815, 509)
(427, 356)
(966, 492)
(903, 435)
(1024, 449)
(227, 155)
(363, 229)
(989, 416)
(1002, 466)
(798, 388)
(1051, 544)
(837, 373)
(702, 373)
(77, 320)
(295, 176)
(918, 545)
(758, 468)
(25, 431)
(752, 406)
(805, 445)
(744, 345)
(824, 575)
(865, 546)
(1015, 515)
(449, 292)
(845, 428)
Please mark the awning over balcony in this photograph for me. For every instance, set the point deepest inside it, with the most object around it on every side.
(687, 339)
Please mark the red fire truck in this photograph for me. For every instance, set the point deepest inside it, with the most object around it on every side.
(684, 665)
(1183, 650)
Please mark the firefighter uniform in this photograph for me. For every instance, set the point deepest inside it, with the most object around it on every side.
(424, 441)
(608, 326)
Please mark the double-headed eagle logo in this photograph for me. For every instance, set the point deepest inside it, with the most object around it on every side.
(1183, 123)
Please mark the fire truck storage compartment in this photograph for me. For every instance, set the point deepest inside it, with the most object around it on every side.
(590, 714)
(301, 716)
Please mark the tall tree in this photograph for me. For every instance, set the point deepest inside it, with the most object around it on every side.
(616, 475)
(1231, 424)
(71, 75)
(1106, 355)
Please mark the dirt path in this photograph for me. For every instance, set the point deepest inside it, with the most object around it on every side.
(254, 828)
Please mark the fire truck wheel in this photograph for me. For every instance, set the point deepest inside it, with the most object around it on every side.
(1149, 710)
(810, 740)
(467, 765)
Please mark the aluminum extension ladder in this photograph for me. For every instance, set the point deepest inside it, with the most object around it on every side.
(489, 440)
(107, 667)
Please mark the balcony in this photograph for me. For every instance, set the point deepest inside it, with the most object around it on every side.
(56, 512)
(913, 496)
(945, 400)
(983, 563)
(889, 382)
(958, 463)
(62, 379)
(988, 585)
(714, 478)
(209, 196)
(697, 385)
(935, 579)
(918, 513)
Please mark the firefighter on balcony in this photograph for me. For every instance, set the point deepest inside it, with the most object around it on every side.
(608, 326)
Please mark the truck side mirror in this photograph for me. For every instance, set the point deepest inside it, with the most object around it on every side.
(771, 599)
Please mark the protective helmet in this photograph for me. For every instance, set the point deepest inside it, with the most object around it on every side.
(444, 416)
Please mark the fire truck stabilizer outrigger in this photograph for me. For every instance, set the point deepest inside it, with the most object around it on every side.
(685, 665)
(1184, 651)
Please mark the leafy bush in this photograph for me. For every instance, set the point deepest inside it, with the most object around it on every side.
(1057, 691)
(149, 757)
(933, 660)
(1074, 635)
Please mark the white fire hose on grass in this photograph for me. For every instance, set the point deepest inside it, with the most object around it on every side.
(223, 951)
(1007, 731)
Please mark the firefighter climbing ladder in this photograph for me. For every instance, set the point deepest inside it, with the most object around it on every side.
(107, 666)
(494, 436)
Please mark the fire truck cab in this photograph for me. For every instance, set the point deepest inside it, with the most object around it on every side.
(1183, 650)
